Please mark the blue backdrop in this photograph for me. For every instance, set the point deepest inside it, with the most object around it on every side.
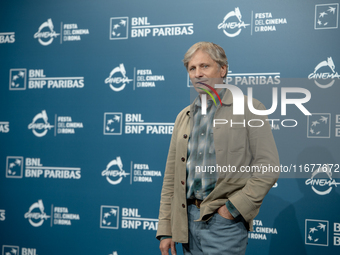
(89, 94)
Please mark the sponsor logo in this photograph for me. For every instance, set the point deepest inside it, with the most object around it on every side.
(46, 33)
(250, 79)
(337, 125)
(141, 27)
(134, 124)
(40, 128)
(323, 185)
(316, 232)
(4, 126)
(17, 79)
(326, 65)
(232, 26)
(64, 125)
(10, 250)
(35, 169)
(130, 219)
(36, 215)
(7, 37)
(38, 80)
(261, 232)
(113, 175)
(14, 167)
(68, 32)
(113, 123)
(326, 16)
(318, 125)
(2, 215)
(114, 253)
(119, 28)
(15, 250)
(109, 217)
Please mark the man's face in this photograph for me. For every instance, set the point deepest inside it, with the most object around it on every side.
(202, 68)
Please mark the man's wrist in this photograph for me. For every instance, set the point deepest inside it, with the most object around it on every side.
(232, 209)
(165, 237)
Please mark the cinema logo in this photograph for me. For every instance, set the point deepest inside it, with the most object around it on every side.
(46, 33)
(64, 125)
(141, 27)
(69, 32)
(143, 173)
(40, 125)
(144, 78)
(321, 180)
(232, 24)
(324, 74)
(130, 219)
(59, 215)
(36, 214)
(114, 171)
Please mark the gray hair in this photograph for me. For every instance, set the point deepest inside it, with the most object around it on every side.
(215, 52)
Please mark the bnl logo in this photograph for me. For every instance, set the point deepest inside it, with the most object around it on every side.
(326, 16)
(17, 79)
(119, 28)
(316, 232)
(14, 250)
(109, 216)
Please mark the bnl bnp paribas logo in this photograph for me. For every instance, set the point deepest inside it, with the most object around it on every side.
(326, 16)
(15, 250)
(324, 74)
(232, 24)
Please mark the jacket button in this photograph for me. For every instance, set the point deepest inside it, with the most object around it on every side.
(185, 136)
(183, 159)
(182, 182)
(183, 205)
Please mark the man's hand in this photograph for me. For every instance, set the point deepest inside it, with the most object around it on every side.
(167, 244)
(224, 212)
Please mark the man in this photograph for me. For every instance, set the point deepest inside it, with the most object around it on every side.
(210, 212)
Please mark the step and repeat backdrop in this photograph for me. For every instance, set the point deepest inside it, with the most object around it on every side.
(89, 94)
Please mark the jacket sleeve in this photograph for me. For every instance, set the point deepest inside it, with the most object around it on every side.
(264, 157)
(164, 218)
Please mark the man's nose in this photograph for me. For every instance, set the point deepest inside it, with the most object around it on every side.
(198, 73)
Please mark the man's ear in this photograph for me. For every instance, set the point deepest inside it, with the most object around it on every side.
(223, 70)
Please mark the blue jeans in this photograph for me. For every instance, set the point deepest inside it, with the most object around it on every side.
(217, 236)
